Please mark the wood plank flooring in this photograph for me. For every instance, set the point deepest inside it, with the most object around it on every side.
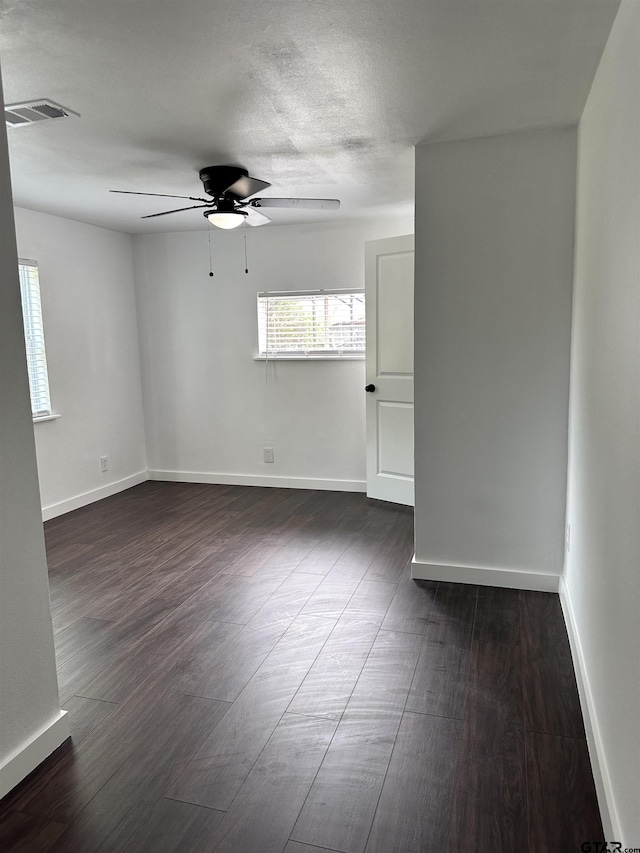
(252, 670)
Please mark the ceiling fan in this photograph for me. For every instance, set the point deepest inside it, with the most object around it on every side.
(230, 205)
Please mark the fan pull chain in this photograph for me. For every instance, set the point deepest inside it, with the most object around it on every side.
(210, 262)
(246, 263)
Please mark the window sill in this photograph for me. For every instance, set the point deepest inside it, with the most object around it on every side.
(309, 358)
(42, 418)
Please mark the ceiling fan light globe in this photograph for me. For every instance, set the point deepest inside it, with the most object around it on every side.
(225, 219)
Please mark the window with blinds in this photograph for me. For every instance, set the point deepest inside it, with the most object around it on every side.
(34, 338)
(311, 324)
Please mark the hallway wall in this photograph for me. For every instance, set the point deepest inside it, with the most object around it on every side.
(601, 587)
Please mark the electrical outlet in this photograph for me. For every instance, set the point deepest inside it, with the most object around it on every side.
(104, 464)
(268, 454)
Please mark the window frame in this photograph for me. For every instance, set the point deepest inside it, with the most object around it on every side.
(310, 354)
(34, 338)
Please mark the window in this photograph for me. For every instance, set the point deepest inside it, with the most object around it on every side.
(311, 324)
(34, 339)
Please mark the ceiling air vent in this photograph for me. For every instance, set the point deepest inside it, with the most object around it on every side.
(30, 112)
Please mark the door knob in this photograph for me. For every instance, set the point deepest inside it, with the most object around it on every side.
(369, 388)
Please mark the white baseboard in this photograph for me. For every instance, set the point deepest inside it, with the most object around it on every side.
(18, 766)
(259, 480)
(604, 791)
(509, 578)
(94, 495)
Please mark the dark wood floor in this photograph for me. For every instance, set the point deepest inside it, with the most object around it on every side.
(252, 670)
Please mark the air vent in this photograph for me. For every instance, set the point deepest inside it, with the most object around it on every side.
(30, 112)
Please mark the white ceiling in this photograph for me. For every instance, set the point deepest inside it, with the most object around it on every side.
(318, 97)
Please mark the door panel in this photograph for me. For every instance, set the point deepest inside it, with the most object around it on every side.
(395, 305)
(389, 296)
(395, 439)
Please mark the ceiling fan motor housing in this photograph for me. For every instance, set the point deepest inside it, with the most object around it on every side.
(218, 179)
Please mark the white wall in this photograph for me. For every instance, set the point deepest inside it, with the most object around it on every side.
(209, 407)
(494, 260)
(88, 303)
(602, 592)
(31, 724)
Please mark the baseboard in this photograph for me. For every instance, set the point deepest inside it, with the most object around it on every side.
(509, 578)
(18, 766)
(53, 510)
(259, 480)
(604, 791)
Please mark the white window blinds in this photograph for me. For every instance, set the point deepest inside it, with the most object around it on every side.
(311, 323)
(34, 338)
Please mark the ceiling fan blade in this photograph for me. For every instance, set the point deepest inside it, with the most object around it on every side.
(246, 186)
(308, 203)
(177, 210)
(256, 218)
(164, 195)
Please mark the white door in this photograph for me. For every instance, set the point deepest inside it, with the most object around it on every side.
(389, 299)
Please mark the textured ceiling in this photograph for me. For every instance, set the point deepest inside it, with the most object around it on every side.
(318, 97)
